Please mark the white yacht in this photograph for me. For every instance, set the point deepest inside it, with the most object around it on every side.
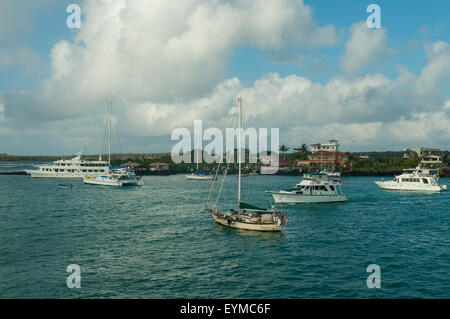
(415, 179)
(314, 188)
(119, 176)
(72, 168)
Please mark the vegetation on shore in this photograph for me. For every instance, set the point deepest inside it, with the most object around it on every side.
(376, 161)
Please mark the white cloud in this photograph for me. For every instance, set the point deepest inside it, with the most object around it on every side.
(364, 47)
(172, 50)
(438, 68)
(2, 110)
(372, 111)
(164, 62)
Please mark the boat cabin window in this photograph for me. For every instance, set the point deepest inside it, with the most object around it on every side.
(425, 181)
(411, 180)
(332, 188)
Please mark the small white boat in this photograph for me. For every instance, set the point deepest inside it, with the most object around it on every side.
(119, 176)
(314, 188)
(199, 177)
(415, 180)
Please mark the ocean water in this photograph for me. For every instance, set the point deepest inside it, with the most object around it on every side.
(156, 242)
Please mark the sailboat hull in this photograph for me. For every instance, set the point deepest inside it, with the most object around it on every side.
(293, 198)
(246, 226)
(269, 227)
(199, 177)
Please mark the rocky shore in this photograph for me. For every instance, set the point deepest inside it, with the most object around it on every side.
(13, 173)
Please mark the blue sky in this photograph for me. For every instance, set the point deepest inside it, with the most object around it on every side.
(30, 85)
(408, 23)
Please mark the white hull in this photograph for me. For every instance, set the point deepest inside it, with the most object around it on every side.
(41, 174)
(289, 198)
(112, 182)
(199, 177)
(411, 187)
(120, 177)
(268, 170)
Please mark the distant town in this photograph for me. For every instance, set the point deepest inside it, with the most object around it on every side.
(292, 161)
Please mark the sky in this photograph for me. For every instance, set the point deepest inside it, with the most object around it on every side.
(311, 68)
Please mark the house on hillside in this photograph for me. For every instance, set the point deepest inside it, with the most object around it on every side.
(158, 167)
(432, 160)
(331, 146)
(410, 153)
(324, 158)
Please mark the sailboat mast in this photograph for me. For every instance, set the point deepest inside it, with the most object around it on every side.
(334, 159)
(239, 152)
(197, 162)
(109, 130)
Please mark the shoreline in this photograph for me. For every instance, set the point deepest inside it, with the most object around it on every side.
(444, 173)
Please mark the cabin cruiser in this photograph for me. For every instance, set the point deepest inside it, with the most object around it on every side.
(118, 176)
(415, 179)
(72, 168)
(314, 188)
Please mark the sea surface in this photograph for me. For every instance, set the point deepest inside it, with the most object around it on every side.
(155, 241)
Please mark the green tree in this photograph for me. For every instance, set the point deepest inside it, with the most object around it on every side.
(302, 149)
(284, 149)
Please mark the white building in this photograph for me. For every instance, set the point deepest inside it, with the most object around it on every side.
(420, 152)
(431, 159)
(331, 146)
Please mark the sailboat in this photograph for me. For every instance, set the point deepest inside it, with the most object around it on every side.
(199, 175)
(117, 175)
(245, 216)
